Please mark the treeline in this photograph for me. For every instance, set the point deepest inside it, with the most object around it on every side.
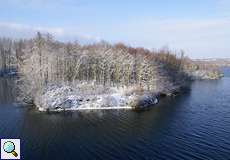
(42, 61)
(7, 55)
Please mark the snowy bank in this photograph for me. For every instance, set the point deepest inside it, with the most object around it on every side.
(65, 98)
(205, 75)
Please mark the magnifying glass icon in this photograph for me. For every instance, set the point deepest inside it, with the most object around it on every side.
(9, 147)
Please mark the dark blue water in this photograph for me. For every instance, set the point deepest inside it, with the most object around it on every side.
(193, 126)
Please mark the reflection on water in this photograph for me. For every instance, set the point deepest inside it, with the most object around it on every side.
(6, 90)
(195, 125)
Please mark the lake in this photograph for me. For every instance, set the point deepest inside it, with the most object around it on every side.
(195, 125)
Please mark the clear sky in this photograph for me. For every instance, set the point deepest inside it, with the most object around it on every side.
(200, 27)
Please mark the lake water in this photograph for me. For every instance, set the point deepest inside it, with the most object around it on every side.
(195, 125)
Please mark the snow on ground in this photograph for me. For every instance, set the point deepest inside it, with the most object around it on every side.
(62, 97)
(206, 74)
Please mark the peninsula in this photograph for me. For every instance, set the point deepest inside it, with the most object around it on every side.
(57, 76)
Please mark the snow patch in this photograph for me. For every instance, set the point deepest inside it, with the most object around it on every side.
(61, 97)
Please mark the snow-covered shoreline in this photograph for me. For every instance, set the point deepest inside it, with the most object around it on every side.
(67, 98)
(205, 75)
(90, 108)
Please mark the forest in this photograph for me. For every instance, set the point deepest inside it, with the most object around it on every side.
(43, 61)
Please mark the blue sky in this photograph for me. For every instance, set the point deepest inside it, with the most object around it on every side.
(200, 27)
